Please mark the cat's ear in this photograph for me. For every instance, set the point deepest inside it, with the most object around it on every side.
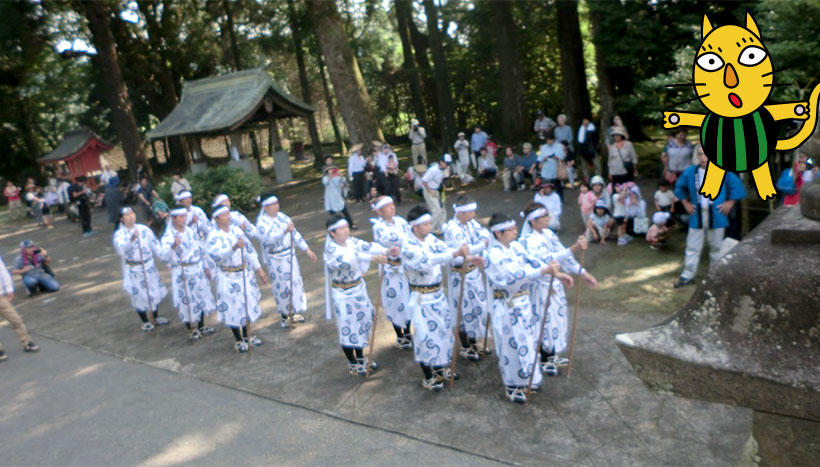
(707, 27)
(751, 25)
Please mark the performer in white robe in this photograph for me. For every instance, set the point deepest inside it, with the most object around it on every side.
(195, 217)
(422, 255)
(346, 260)
(237, 218)
(237, 291)
(545, 246)
(276, 232)
(464, 229)
(390, 230)
(511, 272)
(137, 245)
(184, 252)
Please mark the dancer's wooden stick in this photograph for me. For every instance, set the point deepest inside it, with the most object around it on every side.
(488, 306)
(457, 340)
(292, 259)
(247, 316)
(575, 317)
(540, 337)
(145, 276)
(373, 324)
(185, 292)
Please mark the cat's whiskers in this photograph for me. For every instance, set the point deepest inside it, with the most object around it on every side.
(684, 85)
(691, 99)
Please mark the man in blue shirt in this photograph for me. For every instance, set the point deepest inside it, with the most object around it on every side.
(529, 160)
(548, 156)
(478, 140)
(707, 218)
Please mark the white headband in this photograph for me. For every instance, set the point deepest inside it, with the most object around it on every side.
(219, 200)
(219, 211)
(337, 224)
(183, 195)
(125, 211)
(382, 203)
(503, 226)
(540, 212)
(421, 219)
(178, 212)
(270, 200)
(465, 207)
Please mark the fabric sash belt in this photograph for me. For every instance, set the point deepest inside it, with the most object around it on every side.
(394, 262)
(425, 288)
(231, 268)
(136, 263)
(191, 263)
(504, 294)
(345, 285)
(465, 268)
(283, 250)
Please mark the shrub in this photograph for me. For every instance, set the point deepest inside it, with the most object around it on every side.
(243, 187)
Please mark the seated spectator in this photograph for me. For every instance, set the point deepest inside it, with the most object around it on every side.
(586, 200)
(550, 155)
(665, 198)
(39, 209)
(599, 223)
(529, 161)
(179, 184)
(513, 171)
(552, 202)
(486, 165)
(373, 194)
(660, 230)
(569, 162)
(628, 206)
(33, 266)
(492, 147)
(597, 185)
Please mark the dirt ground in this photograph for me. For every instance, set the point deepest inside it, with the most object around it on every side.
(602, 414)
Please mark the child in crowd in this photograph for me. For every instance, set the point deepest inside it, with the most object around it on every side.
(586, 199)
(665, 197)
(661, 229)
(599, 223)
(372, 195)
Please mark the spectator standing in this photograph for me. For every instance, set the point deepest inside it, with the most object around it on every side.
(793, 178)
(588, 147)
(12, 194)
(707, 218)
(623, 161)
(617, 124)
(664, 197)
(106, 175)
(146, 196)
(62, 192)
(569, 162)
(8, 312)
(550, 156)
(432, 180)
(550, 200)
(356, 165)
(676, 156)
(113, 201)
(33, 265)
(371, 173)
(179, 184)
(334, 194)
(486, 165)
(462, 148)
(542, 125)
(39, 209)
(478, 140)
(563, 132)
(586, 200)
(391, 180)
(417, 136)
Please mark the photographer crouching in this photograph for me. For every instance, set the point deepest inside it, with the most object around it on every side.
(33, 265)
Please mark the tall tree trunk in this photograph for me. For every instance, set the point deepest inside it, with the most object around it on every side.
(297, 30)
(511, 75)
(337, 134)
(443, 97)
(573, 74)
(354, 101)
(404, 16)
(113, 85)
(237, 62)
(606, 92)
(419, 41)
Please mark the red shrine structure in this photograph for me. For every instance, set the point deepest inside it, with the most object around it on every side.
(77, 154)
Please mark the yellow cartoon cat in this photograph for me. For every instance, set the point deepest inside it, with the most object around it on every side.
(732, 76)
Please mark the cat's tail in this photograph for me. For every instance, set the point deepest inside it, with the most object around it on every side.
(808, 125)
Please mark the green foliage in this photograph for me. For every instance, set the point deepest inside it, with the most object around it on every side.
(242, 187)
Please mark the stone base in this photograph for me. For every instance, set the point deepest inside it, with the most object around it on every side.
(785, 440)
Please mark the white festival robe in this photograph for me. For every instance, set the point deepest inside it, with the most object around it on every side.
(511, 270)
(190, 288)
(281, 260)
(394, 289)
(474, 301)
(352, 307)
(238, 220)
(140, 277)
(546, 247)
(232, 294)
(432, 327)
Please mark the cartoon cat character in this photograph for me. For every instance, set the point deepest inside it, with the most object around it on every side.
(732, 76)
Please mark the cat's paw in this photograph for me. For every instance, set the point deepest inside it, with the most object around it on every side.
(671, 119)
(801, 110)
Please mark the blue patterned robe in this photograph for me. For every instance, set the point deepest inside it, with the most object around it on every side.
(474, 302)
(140, 278)
(545, 247)
(432, 326)
(394, 289)
(235, 300)
(281, 260)
(512, 270)
(352, 307)
(190, 288)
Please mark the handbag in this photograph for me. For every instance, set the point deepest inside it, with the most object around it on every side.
(785, 184)
(561, 171)
(640, 225)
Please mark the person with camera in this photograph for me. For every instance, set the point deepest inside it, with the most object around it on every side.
(417, 136)
(33, 265)
(8, 312)
(80, 193)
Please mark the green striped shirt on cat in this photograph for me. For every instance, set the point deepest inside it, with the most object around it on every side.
(739, 144)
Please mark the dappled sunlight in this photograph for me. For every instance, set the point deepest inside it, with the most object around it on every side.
(639, 275)
(85, 371)
(192, 446)
(27, 392)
